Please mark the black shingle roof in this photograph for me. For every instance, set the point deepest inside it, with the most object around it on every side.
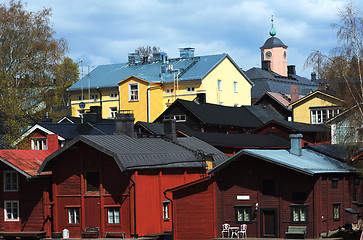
(267, 81)
(273, 42)
(140, 153)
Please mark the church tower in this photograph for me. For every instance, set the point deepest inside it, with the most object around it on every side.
(274, 54)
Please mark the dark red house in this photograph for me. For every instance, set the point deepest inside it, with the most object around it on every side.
(116, 182)
(24, 193)
(269, 190)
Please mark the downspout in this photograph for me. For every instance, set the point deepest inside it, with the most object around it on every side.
(100, 98)
(148, 102)
(172, 212)
(133, 185)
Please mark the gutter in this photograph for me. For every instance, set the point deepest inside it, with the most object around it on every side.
(133, 185)
(172, 211)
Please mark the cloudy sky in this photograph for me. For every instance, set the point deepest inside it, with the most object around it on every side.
(104, 32)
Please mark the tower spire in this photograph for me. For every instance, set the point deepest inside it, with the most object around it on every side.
(272, 31)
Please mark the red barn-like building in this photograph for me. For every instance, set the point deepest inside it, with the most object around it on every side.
(116, 182)
(269, 190)
(24, 193)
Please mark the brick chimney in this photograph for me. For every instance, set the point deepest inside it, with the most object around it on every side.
(294, 93)
(125, 123)
(170, 129)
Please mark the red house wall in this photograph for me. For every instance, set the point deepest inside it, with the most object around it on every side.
(69, 190)
(150, 185)
(245, 178)
(195, 212)
(32, 195)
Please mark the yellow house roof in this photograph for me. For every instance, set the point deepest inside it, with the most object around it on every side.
(313, 94)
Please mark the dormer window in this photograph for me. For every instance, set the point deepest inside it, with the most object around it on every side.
(93, 96)
(190, 89)
(39, 144)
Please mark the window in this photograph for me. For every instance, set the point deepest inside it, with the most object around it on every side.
(166, 205)
(299, 213)
(190, 89)
(219, 85)
(321, 115)
(334, 183)
(243, 214)
(336, 211)
(73, 215)
(235, 87)
(113, 215)
(178, 118)
(11, 210)
(268, 187)
(80, 98)
(169, 91)
(133, 92)
(10, 181)
(113, 95)
(93, 181)
(113, 112)
(93, 96)
(39, 144)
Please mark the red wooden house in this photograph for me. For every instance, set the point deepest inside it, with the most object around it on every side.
(24, 192)
(116, 182)
(269, 190)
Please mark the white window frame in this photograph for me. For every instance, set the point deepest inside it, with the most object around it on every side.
(169, 91)
(113, 95)
(219, 85)
(235, 88)
(299, 213)
(113, 215)
(13, 181)
(80, 98)
(189, 89)
(39, 144)
(178, 118)
(12, 211)
(73, 215)
(320, 115)
(113, 112)
(133, 94)
(93, 97)
(166, 207)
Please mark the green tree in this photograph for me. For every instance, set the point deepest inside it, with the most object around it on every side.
(29, 57)
(57, 100)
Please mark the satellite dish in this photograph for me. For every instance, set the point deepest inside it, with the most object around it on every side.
(82, 105)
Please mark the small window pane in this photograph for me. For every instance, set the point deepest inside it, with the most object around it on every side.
(243, 214)
(113, 215)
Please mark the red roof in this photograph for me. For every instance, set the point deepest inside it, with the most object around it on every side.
(26, 162)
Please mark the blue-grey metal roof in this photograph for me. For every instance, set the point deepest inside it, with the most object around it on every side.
(310, 162)
(194, 68)
(273, 42)
(141, 153)
(267, 81)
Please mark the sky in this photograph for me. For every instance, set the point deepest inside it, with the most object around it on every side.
(105, 32)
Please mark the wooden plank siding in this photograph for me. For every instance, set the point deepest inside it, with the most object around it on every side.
(194, 212)
(32, 194)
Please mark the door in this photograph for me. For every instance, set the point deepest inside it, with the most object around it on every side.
(92, 214)
(269, 222)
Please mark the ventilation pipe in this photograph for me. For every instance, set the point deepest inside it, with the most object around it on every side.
(295, 140)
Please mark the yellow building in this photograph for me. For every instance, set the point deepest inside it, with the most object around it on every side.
(149, 87)
(316, 108)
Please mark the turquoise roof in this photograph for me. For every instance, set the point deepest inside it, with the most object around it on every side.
(310, 162)
(194, 68)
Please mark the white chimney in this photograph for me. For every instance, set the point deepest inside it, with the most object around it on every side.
(295, 140)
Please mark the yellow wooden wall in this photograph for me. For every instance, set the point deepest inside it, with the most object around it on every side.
(301, 111)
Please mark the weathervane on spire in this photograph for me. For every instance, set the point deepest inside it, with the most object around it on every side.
(272, 31)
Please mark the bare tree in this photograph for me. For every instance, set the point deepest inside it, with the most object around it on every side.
(342, 69)
(146, 52)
